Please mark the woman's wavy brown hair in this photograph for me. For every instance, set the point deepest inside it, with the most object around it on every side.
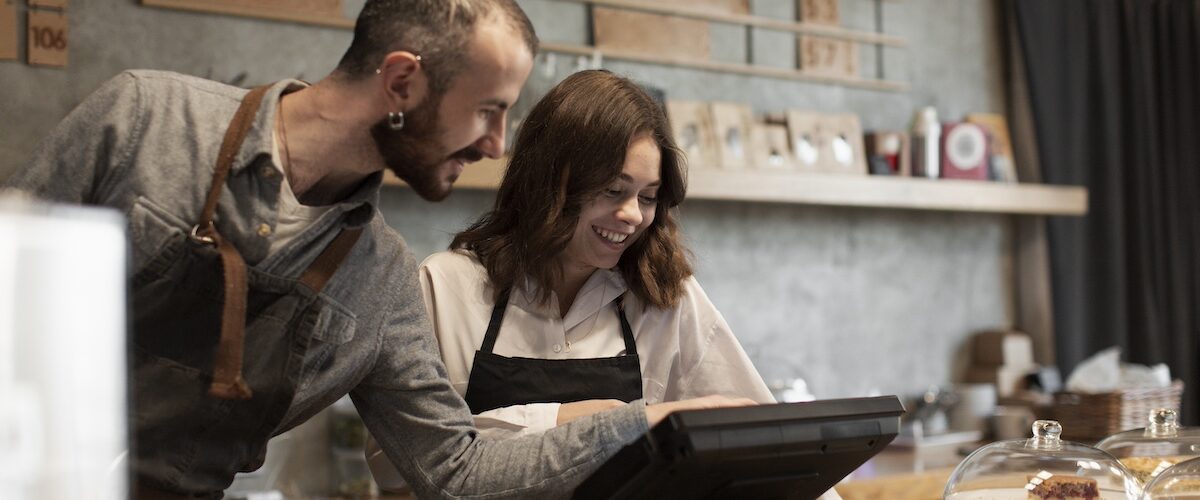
(569, 149)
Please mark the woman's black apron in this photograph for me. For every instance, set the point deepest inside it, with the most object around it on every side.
(497, 381)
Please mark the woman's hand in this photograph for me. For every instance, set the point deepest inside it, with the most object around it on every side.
(578, 409)
(657, 412)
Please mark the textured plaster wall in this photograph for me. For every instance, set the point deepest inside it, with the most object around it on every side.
(855, 300)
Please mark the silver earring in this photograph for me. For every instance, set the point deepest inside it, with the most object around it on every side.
(396, 120)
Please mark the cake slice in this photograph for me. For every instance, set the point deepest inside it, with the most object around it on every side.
(1147, 468)
(1062, 488)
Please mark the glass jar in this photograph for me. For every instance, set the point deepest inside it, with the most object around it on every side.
(1043, 466)
(1148, 451)
(1178, 482)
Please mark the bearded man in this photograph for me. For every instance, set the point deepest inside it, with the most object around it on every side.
(265, 284)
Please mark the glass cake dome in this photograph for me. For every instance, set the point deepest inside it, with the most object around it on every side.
(1043, 466)
(1179, 482)
(1149, 451)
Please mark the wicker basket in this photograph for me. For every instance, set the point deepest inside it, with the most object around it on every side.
(1088, 418)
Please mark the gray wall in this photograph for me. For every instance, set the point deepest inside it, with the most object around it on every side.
(855, 300)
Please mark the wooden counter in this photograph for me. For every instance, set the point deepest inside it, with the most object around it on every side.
(904, 473)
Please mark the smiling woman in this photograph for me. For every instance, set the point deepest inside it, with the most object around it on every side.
(571, 155)
(574, 294)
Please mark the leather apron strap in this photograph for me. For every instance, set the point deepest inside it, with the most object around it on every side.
(323, 267)
(227, 367)
(227, 380)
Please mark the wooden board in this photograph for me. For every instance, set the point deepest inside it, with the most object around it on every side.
(714, 6)
(886, 192)
(805, 138)
(8, 30)
(674, 37)
(826, 56)
(731, 127)
(761, 185)
(842, 140)
(918, 486)
(723, 67)
(312, 7)
(315, 12)
(48, 38)
(692, 128)
(53, 4)
(819, 12)
(769, 147)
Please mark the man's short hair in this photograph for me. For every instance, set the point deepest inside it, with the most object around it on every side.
(438, 30)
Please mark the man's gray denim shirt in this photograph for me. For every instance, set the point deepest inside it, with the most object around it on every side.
(146, 142)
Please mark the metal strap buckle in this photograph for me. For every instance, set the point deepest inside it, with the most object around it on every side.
(196, 237)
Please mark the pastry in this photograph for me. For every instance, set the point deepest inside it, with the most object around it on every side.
(1062, 488)
(1146, 468)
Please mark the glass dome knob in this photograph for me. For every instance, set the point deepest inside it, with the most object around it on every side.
(1046, 435)
(1163, 421)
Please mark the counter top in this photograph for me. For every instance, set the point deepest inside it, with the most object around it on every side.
(899, 473)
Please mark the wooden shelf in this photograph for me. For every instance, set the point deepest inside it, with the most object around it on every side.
(723, 67)
(563, 48)
(769, 23)
(847, 191)
(251, 10)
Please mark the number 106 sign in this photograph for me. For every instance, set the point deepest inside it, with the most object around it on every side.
(47, 38)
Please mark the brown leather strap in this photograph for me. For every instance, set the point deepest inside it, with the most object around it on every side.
(227, 366)
(231, 145)
(323, 267)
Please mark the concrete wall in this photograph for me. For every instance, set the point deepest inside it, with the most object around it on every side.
(855, 300)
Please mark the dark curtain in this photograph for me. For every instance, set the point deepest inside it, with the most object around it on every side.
(1114, 87)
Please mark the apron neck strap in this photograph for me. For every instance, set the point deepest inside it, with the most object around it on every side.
(231, 145)
(493, 329)
(323, 267)
(626, 330)
(227, 380)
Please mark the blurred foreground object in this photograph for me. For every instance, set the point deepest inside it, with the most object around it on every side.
(62, 351)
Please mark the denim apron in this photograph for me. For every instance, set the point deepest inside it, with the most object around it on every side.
(199, 414)
(498, 381)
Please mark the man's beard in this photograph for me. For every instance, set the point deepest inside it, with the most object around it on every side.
(412, 152)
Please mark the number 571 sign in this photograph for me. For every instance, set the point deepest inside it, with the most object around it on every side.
(47, 38)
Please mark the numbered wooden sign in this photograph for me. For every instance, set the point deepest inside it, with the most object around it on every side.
(47, 38)
(819, 12)
(57, 4)
(8, 30)
(827, 56)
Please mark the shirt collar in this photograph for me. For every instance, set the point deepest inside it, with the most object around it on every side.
(600, 290)
(260, 141)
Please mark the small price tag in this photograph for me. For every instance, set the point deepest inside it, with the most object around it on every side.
(8, 30)
(55, 4)
(48, 38)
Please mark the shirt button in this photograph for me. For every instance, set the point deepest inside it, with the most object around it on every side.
(557, 348)
(264, 230)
